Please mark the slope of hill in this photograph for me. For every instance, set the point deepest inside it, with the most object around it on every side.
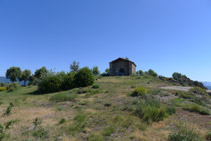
(103, 113)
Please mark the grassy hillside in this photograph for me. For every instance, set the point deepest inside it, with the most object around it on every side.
(103, 112)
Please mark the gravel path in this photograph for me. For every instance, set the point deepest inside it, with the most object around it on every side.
(179, 88)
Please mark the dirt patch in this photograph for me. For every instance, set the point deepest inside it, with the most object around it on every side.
(203, 121)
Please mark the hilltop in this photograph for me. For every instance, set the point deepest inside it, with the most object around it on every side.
(108, 110)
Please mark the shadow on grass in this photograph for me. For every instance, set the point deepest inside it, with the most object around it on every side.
(36, 92)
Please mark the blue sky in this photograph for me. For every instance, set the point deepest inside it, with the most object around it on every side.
(166, 35)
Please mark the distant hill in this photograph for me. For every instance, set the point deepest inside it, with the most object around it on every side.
(207, 84)
(4, 79)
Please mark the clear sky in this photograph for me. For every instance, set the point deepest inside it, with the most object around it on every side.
(165, 35)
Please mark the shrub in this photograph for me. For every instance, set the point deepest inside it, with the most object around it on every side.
(68, 81)
(12, 86)
(2, 89)
(50, 84)
(197, 108)
(84, 77)
(40, 133)
(63, 97)
(62, 121)
(198, 91)
(184, 134)
(208, 136)
(170, 110)
(150, 111)
(140, 91)
(95, 86)
(108, 131)
(153, 114)
(193, 107)
(3, 84)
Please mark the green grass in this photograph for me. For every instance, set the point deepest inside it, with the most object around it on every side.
(95, 114)
(63, 97)
(184, 133)
(196, 108)
(108, 130)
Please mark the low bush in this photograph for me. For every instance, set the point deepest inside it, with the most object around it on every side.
(108, 131)
(84, 77)
(62, 121)
(153, 114)
(3, 84)
(198, 100)
(198, 91)
(3, 89)
(208, 136)
(95, 86)
(170, 110)
(63, 97)
(150, 111)
(184, 134)
(12, 86)
(196, 108)
(140, 91)
(40, 133)
(50, 84)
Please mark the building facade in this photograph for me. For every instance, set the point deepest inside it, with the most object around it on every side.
(122, 67)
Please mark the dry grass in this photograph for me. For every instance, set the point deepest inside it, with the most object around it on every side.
(113, 91)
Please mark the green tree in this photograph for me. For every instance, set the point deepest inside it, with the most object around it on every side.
(95, 71)
(107, 71)
(74, 67)
(176, 76)
(84, 77)
(140, 72)
(152, 72)
(25, 76)
(13, 73)
(41, 72)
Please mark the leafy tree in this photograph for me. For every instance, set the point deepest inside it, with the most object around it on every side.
(140, 72)
(95, 71)
(126, 58)
(176, 76)
(106, 73)
(41, 72)
(84, 77)
(74, 67)
(25, 76)
(152, 72)
(13, 74)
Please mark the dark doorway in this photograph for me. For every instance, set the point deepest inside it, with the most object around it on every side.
(121, 72)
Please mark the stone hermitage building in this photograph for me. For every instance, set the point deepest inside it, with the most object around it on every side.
(122, 67)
